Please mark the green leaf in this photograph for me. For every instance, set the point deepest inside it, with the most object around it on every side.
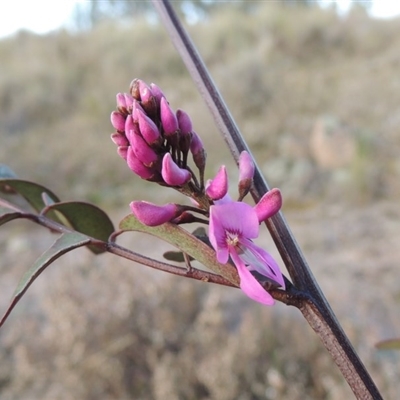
(86, 218)
(64, 244)
(391, 344)
(177, 256)
(184, 241)
(32, 192)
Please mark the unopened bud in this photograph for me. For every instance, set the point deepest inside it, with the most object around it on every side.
(152, 215)
(246, 173)
(148, 101)
(137, 166)
(143, 151)
(198, 152)
(217, 188)
(148, 128)
(268, 205)
(119, 139)
(118, 121)
(184, 121)
(168, 118)
(172, 174)
(157, 92)
(123, 152)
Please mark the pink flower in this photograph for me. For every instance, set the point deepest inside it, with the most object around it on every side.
(232, 226)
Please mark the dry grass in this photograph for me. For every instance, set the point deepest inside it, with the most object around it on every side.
(100, 328)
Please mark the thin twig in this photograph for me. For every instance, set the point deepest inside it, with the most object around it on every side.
(317, 311)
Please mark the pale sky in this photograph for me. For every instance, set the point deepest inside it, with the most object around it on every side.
(41, 16)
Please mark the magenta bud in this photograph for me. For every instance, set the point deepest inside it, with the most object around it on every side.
(135, 107)
(121, 101)
(217, 188)
(246, 173)
(246, 166)
(148, 128)
(118, 121)
(184, 122)
(196, 145)
(152, 215)
(148, 101)
(168, 118)
(172, 174)
(119, 139)
(157, 92)
(268, 205)
(129, 101)
(123, 151)
(137, 166)
(131, 128)
(144, 91)
(198, 152)
(143, 151)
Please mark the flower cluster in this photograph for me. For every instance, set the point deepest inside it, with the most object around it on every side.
(155, 142)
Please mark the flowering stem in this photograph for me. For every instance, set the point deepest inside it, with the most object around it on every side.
(113, 248)
(313, 306)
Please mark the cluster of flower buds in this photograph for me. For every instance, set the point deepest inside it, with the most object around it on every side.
(155, 141)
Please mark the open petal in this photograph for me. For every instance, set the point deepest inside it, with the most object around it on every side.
(249, 284)
(236, 217)
(261, 261)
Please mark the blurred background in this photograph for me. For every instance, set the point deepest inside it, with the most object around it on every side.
(315, 89)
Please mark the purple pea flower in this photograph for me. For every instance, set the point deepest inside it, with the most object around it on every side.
(232, 226)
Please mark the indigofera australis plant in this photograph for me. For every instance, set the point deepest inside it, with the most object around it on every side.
(161, 146)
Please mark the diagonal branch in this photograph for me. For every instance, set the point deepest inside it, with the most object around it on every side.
(317, 312)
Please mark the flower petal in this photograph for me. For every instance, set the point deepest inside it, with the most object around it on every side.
(236, 218)
(249, 284)
(259, 260)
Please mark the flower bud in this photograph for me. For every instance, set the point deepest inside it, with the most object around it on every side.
(246, 173)
(148, 101)
(168, 118)
(148, 128)
(121, 102)
(131, 128)
(119, 139)
(143, 151)
(118, 121)
(152, 215)
(184, 121)
(217, 188)
(172, 174)
(157, 93)
(123, 151)
(246, 166)
(198, 152)
(137, 166)
(268, 205)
